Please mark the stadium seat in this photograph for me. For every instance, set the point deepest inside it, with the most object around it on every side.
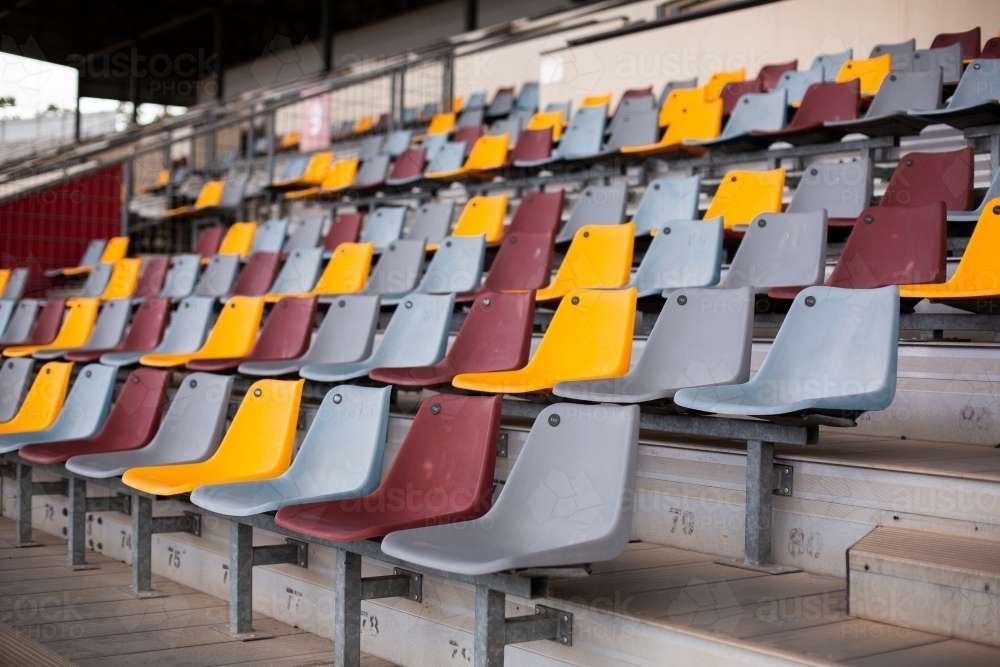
(975, 102)
(74, 331)
(44, 401)
(972, 216)
(232, 336)
(431, 221)
(596, 205)
(209, 197)
(398, 268)
(144, 334)
(457, 266)
(664, 200)
(780, 250)
(91, 257)
(495, 336)
(292, 171)
(154, 274)
(24, 318)
(795, 84)
(270, 237)
(671, 86)
(185, 334)
(13, 381)
(449, 454)
(890, 245)
(123, 280)
(947, 59)
(716, 82)
(900, 92)
(346, 271)
(257, 276)
(836, 352)
(901, 53)
(770, 75)
(131, 422)
(338, 178)
(7, 309)
(527, 99)
(82, 414)
(991, 49)
(600, 256)
(305, 171)
(306, 235)
(537, 212)
(511, 126)
(344, 228)
(698, 119)
(481, 215)
(489, 153)
(285, 335)
(742, 195)
(238, 240)
(590, 337)
(397, 143)
(832, 63)
(417, 335)
(822, 102)
(340, 457)
(408, 167)
(632, 101)
(678, 104)
(636, 128)
(218, 278)
(702, 337)
(258, 445)
(107, 332)
(14, 289)
(364, 124)
(372, 173)
(189, 432)
(970, 41)
(502, 104)
(209, 240)
(96, 282)
(583, 137)
(445, 157)
(370, 147)
(385, 225)
(298, 274)
(523, 262)
(593, 101)
(843, 189)
(684, 253)
(469, 117)
(925, 178)
(542, 502)
(534, 147)
(762, 112)
(545, 120)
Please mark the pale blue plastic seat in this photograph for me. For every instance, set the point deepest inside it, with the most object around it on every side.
(398, 268)
(630, 105)
(346, 335)
(299, 272)
(417, 335)
(397, 142)
(432, 143)
(457, 267)
(107, 332)
(702, 337)
(270, 236)
(901, 53)
(372, 172)
(83, 413)
(585, 133)
(795, 84)
(753, 111)
(831, 63)
(182, 277)
(385, 225)
(15, 285)
(190, 431)
(975, 102)
(565, 107)
(633, 128)
(948, 59)
(563, 502)
(6, 314)
(446, 157)
(431, 221)
(836, 353)
(780, 250)
(527, 98)
(96, 282)
(371, 146)
(843, 189)
(14, 375)
(306, 235)
(340, 457)
(294, 168)
(511, 125)
(973, 216)
(684, 253)
(470, 116)
(665, 200)
(19, 327)
(596, 205)
(91, 256)
(217, 279)
(186, 332)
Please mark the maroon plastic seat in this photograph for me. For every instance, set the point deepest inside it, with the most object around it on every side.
(925, 178)
(496, 336)
(345, 228)
(409, 167)
(991, 49)
(382, 124)
(532, 145)
(538, 213)
(443, 473)
(469, 135)
(633, 92)
(523, 262)
(822, 102)
(256, 277)
(890, 245)
(131, 424)
(209, 240)
(148, 324)
(969, 40)
(770, 75)
(47, 323)
(151, 280)
(285, 335)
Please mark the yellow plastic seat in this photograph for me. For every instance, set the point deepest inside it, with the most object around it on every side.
(210, 195)
(290, 140)
(546, 119)
(114, 250)
(338, 177)
(596, 100)
(743, 195)
(162, 180)
(233, 335)
(481, 215)
(678, 100)
(258, 445)
(978, 273)
(700, 119)
(869, 71)
(488, 153)
(600, 256)
(442, 123)
(315, 171)
(124, 278)
(75, 330)
(345, 273)
(44, 400)
(718, 81)
(590, 337)
(364, 124)
(4, 279)
(457, 103)
(237, 241)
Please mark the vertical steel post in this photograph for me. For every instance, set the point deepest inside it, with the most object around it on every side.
(22, 522)
(240, 577)
(760, 490)
(142, 545)
(447, 80)
(347, 611)
(76, 525)
(490, 628)
(127, 191)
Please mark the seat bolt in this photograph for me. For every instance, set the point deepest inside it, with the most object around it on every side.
(513, 239)
(342, 303)
(586, 235)
(135, 379)
(575, 300)
(337, 398)
(762, 223)
(810, 301)
(436, 408)
(813, 172)
(733, 179)
(656, 186)
(193, 384)
(681, 300)
(666, 230)
(256, 392)
(409, 304)
(553, 420)
(88, 373)
(996, 210)
(486, 302)
(869, 219)
(447, 244)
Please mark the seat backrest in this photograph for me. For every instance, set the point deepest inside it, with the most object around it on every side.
(77, 323)
(698, 120)
(299, 272)
(188, 326)
(978, 268)
(733, 91)
(318, 165)
(397, 142)
(902, 91)
(527, 99)
(232, 194)
(844, 189)
(585, 134)
(633, 101)
(684, 253)
(14, 289)
(924, 178)
(502, 104)
(385, 225)
(148, 324)
(370, 146)
(47, 324)
(135, 415)
(457, 266)
(827, 101)
(409, 165)
(372, 172)
(795, 84)
(238, 239)
(770, 75)
(901, 53)
(97, 281)
(599, 256)
(110, 325)
(869, 72)
(431, 221)
(287, 332)
(670, 86)
(13, 381)
(347, 270)
(22, 321)
(347, 331)
(123, 280)
(677, 101)
(417, 334)
(548, 120)
(43, 403)
(154, 273)
(294, 168)
(257, 275)
(947, 59)
(532, 145)
(538, 212)
(496, 334)
(780, 250)
(892, 245)
(92, 254)
(344, 228)
(757, 111)
(829, 64)
(483, 215)
(511, 126)
(115, 249)
(745, 194)
(489, 152)
(667, 199)
(446, 157)
(306, 234)
(270, 236)
(7, 309)
(970, 41)
(466, 136)
(523, 262)
(211, 193)
(979, 84)
(991, 49)
(469, 117)
(235, 329)
(718, 81)
(634, 128)
(398, 268)
(86, 406)
(218, 277)
(596, 205)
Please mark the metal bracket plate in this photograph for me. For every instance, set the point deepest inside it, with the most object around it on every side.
(564, 627)
(293, 552)
(502, 445)
(783, 479)
(402, 584)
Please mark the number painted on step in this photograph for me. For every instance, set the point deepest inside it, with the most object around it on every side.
(50, 512)
(225, 573)
(126, 540)
(684, 519)
(369, 621)
(294, 597)
(174, 557)
(459, 652)
(799, 543)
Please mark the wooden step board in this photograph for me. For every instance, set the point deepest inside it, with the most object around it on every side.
(933, 582)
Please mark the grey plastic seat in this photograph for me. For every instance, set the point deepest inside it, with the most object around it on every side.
(561, 505)
(417, 335)
(233, 192)
(97, 280)
(372, 172)
(218, 278)
(635, 128)
(631, 105)
(186, 332)
(666, 199)
(843, 189)
(371, 146)
(294, 168)
(596, 205)
(431, 221)
(511, 125)
(502, 104)
(107, 332)
(397, 142)
(899, 93)
(82, 415)
(973, 216)
(565, 107)
(585, 134)
(340, 457)
(7, 309)
(345, 335)
(901, 53)
(684, 253)
(20, 324)
(15, 285)
(433, 142)
(306, 235)
(182, 277)
(13, 382)
(299, 273)
(527, 99)
(190, 431)
(91, 256)
(397, 269)
(836, 352)
(470, 117)
(457, 267)
(780, 250)
(270, 236)
(446, 157)
(948, 59)
(753, 111)
(975, 102)
(703, 337)
(795, 84)
(385, 225)
(674, 85)
(831, 63)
